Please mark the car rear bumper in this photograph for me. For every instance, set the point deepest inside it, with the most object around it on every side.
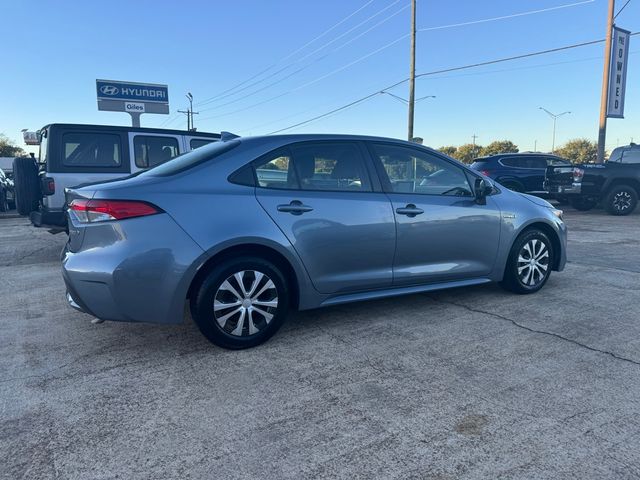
(48, 218)
(135, 270)
(573, 189)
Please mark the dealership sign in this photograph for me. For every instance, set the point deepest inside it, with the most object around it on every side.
(618, 73)
(132, 97)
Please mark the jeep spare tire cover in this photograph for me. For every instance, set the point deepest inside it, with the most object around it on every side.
(26, 185)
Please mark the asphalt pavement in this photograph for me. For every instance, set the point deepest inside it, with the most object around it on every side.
(461, 384)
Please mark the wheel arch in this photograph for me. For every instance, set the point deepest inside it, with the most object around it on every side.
(254, 249)
(550, 232)
(616, 182)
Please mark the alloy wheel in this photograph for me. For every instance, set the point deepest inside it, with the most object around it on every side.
(533, 262)
(622, 201)
(245, 303)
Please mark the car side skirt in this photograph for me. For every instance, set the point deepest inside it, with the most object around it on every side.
(394, 292)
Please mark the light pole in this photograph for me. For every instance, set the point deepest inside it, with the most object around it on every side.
(412, 72)
(555, 118)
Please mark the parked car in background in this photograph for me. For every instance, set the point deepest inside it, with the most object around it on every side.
(248, 228)
(7, 195)
(520, 172)
(615, 183)
(74, 154)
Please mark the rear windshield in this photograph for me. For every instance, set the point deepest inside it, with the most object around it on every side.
(191, 159)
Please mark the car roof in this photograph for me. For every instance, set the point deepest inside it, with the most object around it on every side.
(122, 128)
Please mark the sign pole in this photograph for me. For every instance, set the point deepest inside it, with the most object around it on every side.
(602, 132)
(135, 119)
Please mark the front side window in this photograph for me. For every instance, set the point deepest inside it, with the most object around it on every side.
(314, 166)
(417, 171)
(153, 150)
(91, 150)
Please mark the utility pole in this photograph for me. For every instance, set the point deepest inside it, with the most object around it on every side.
(189, 112)
(602, 132)
(473, 151)
(555, 118)
(412, 71)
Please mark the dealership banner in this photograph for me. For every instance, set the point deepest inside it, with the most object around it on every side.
(618, 73)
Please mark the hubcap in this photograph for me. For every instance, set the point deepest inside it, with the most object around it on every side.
(245, 303)
(533, 262)
(622, 201)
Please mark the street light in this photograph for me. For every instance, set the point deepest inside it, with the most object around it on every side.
(555, 117)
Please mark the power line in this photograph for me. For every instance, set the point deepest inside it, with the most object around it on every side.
(369, 2)
(278, 81)
(621, 9)
(504, 17)
(378, 50)
(435, 72)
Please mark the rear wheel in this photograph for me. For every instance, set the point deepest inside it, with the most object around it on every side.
(583, 203)
(529, 264)
(4, 205)
(621, 200)
(241, 303)
(26, 184)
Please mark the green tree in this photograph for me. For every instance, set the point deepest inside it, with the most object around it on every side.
(579, 150)
(8, 148)
(450, 150)
(468, 152)
(499, 146)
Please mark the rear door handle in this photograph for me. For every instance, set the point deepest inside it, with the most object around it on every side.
(410, 210)
(295, 207)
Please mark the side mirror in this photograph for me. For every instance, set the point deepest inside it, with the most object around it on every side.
(482, 188)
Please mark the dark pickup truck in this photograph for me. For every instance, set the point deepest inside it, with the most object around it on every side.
(615, 183)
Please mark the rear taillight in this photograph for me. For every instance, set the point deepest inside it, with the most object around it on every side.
(90, 211)
(48, 186)
(578, 173)
(485, 172)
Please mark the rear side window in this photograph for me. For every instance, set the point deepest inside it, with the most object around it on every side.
(314, 166)
(513, 162)
(154, 150)
(276, 171)
(631, 156)
(199, 142)
(91, 150)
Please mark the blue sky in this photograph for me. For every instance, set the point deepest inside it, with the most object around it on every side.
(58, 49)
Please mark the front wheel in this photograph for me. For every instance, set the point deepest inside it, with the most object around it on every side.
(241, 303)
(529, 264)
(621, 200)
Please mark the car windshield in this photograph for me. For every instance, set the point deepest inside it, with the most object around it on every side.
(191, 159)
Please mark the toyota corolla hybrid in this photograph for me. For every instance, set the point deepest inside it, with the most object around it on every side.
(246, 229)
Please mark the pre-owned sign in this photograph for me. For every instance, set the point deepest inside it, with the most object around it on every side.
(618, 73)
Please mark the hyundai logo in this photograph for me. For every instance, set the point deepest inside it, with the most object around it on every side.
(109, 90)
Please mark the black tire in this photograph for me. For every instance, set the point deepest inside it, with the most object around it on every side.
(621, 200)
(516, 281)
(583, 204)
(516, 187)
(210, 321)
(26, 185)
(4, 204)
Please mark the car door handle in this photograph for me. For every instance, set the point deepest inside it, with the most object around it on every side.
(410, 210)
(296, 207)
